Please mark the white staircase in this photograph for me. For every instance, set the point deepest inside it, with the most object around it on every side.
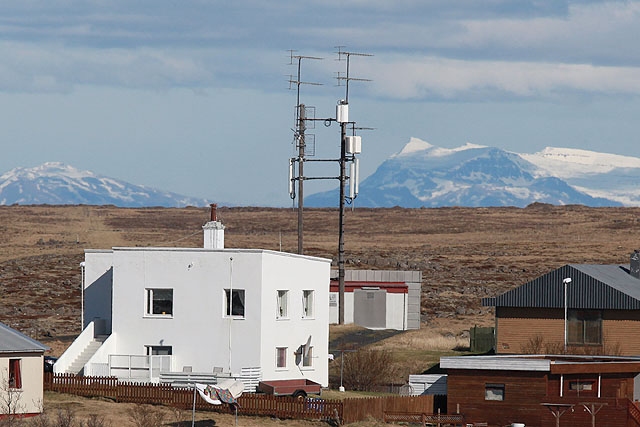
(84, 356)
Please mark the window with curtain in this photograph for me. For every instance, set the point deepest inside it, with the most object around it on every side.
(281, 357)
(159, 302)
(283, 297)
(307, 303)
(15, 374)
(584, 327)
(234, 306)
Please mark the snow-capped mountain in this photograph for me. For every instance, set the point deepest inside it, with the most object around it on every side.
(610, 176)
(58, 184)
(422, 174)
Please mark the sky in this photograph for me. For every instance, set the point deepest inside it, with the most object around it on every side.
(192, 96)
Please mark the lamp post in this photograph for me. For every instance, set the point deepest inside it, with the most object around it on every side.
(565, 282)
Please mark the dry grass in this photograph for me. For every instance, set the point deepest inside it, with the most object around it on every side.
(424, 340)
(119, 414)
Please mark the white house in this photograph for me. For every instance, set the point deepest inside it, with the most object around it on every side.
(21, 373)
(153, 313)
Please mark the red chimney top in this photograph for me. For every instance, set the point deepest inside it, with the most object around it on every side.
(213, 212)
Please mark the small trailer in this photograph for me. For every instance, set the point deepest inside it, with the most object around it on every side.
(296, 388)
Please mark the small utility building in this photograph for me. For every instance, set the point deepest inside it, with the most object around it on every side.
(602, 311)
(379, 299)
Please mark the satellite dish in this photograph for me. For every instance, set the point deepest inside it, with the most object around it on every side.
(307, 346)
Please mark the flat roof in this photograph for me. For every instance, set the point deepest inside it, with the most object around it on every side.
(225, 250)
(544, 362)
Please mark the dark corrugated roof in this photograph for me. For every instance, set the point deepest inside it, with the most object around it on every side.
(12, 341)
(592, 287)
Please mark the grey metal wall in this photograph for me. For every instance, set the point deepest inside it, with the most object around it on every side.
(370, 308)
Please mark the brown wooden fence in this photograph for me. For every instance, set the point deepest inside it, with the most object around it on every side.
(348, 410)
(359, 409)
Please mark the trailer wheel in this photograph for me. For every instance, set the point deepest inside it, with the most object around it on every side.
(300, 394)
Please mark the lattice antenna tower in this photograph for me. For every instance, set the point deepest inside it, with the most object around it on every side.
(299, 137)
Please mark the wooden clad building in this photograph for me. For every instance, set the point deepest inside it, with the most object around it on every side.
(501, 390)
(601, 314)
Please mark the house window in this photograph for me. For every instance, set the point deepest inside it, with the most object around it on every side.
(159, 350)
(281, 357)
(494, 392)
(15, 375)
(581, 385)
(159, 302)
(236, 306)
(307, 303)
(584, 327)
(307, 359)
(283, 297)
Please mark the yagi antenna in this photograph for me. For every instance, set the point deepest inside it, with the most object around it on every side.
(344, 55)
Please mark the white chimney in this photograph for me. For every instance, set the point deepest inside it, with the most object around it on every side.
(213, 232)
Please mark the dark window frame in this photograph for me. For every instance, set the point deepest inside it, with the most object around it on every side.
(494, 387)
(584, 327)
(238, 306)
(157, 303)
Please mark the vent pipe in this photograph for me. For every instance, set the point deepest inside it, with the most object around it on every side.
(634, 265)
(213, 231)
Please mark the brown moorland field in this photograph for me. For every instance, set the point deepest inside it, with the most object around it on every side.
(463, 253)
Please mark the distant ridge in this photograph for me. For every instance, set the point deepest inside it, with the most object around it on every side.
(59, 184)
(422, 174)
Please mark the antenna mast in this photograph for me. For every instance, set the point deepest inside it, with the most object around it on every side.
(299, 137)
(349, 147)
(344, 107)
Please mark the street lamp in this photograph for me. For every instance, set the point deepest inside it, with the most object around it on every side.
(565, 282)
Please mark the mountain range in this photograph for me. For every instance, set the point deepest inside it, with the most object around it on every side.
(58, 184)
(422, 174)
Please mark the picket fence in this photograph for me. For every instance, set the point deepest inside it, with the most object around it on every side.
(347, 411)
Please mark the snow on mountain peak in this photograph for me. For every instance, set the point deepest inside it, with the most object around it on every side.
(416, 145)
(573, 162)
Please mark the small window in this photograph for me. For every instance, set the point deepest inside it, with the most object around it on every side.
(236, 308)
(159, 350)
(307, 360)
(283, 297)
(281, 357)
(15, 376)
(494, 392)
(307, 303)
(581, 385)
(159, 302)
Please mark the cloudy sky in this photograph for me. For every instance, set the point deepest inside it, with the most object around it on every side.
(192, 95)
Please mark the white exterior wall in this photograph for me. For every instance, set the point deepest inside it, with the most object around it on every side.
(197, 331)
(396, 311)
(97, 286)
(348, 309)
(295, 274)
(31, 394)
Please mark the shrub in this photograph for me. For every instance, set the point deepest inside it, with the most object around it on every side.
(365, 369)
(145, 416)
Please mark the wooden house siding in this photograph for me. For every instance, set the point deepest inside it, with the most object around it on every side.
(516, 327)
(526, 391)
